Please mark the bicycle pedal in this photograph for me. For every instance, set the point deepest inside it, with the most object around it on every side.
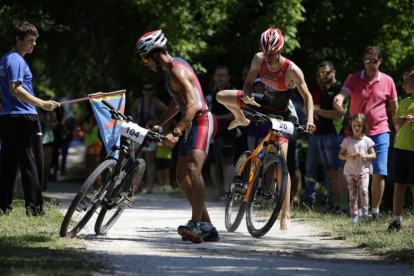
(129, 202)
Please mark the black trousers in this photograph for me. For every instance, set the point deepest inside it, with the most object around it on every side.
(21, 146)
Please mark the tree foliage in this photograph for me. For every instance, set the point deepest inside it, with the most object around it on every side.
(87, 46)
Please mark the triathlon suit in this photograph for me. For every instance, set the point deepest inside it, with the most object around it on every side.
(204, 125)
(276, 99)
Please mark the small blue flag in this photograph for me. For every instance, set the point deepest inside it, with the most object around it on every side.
(108, 126)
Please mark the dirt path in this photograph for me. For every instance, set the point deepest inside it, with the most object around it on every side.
(144, 241)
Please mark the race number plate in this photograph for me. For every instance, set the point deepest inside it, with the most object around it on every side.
(282, 126)
(133, 131)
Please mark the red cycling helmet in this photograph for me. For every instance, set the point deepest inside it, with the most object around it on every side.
(150, 41)
(271, 41)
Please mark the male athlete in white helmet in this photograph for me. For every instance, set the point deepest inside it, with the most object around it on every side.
(280, 77)
(197, 124)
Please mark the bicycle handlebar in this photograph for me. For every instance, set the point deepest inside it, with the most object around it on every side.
(256, 116)
(152, 135)
(114, 112)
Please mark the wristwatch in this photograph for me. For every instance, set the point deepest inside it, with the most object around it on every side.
(176, 132)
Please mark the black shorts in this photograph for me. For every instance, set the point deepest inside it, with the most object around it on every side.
(402, 166)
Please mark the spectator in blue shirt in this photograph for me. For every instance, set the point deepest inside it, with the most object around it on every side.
(19, 124)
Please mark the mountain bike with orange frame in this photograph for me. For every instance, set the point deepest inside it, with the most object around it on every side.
(260, 177)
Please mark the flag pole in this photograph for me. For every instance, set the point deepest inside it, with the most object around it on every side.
(93, 96)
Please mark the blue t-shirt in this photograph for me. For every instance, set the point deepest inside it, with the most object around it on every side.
(13, 68)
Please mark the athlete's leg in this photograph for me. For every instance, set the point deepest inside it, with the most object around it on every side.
(196, 159)
(231, 100)
(184, 181)
(285, 219)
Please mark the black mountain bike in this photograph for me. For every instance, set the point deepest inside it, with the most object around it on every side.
(113, 183)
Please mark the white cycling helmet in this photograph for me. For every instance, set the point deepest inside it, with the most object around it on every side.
(150, 41)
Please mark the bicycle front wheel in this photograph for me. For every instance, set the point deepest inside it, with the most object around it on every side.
(120, 198)
(267, 195)
(87, 199)
(235, 206)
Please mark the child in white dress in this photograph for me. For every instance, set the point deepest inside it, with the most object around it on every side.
(358, 151)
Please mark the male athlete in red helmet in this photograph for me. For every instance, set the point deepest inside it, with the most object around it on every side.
(197, 124)
(280, 76)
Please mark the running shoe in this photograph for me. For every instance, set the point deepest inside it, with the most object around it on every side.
(394, 226)
(210, 233)
(354, 220)
(191, 232)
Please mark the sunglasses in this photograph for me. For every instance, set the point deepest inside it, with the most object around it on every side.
(324, 73)
(374, 61)
(148, 89)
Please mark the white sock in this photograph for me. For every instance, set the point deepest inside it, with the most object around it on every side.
(359, 212)
(375, 210)
(398, 219)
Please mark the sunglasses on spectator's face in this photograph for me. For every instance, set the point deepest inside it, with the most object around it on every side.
(324, 73)
(148, 89)
(374, 61)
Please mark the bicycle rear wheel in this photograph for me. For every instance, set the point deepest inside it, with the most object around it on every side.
(266, 198)
(87, 199)
(235, 206)
(121, 197)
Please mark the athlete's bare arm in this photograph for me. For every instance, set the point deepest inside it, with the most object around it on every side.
(295, 75)
(251, 76)
(183, 81)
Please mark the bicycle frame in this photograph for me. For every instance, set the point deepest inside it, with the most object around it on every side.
(125, 159)
(268, 145)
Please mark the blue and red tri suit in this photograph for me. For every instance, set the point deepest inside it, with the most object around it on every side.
(204, 125)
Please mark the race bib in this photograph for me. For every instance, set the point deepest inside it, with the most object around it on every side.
(133, 131)
(282, 126)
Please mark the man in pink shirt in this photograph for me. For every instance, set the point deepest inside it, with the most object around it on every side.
(370, 91)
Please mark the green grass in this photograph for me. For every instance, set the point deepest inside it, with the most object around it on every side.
(372, 236)
(32, 246)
